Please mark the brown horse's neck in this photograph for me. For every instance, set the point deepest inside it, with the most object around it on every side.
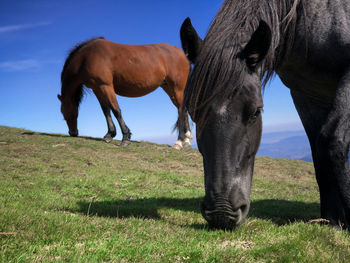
(70, 90)
(73, 52)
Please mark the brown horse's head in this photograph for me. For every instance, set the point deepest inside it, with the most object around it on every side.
(70, 114)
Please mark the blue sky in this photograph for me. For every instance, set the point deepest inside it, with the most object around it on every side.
(35, 37)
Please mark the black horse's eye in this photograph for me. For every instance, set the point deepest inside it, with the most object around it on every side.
(255, 115)
(258, 111)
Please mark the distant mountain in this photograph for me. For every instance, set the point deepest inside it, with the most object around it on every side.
(272, 137)
(290, 144)
(285, 144)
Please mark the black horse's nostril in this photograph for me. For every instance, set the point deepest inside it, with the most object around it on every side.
(244, 209)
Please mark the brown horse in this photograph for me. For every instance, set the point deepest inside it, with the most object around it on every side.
(109, 68)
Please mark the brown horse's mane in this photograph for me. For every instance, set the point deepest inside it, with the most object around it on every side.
(217, 70)
(79, 92)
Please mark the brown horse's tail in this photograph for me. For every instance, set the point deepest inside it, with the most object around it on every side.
(79, 90)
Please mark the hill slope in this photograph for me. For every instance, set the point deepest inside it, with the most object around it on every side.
(80, 199)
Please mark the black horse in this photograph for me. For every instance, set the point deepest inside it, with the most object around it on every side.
(307, 43)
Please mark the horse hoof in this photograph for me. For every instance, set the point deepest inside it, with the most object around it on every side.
(187, 144)
(125, 143)
(107, 138)
(177, 147)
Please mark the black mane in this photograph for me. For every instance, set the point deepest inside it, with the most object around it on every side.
(229, 32)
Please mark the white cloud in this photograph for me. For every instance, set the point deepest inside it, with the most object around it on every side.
(27, 64)
(12, 28)
(20, 65)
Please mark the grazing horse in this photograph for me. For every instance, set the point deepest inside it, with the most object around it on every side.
(306, 43)
(128, 70)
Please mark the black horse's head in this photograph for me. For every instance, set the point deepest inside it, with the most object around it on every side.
(223, 97)
(69, 110)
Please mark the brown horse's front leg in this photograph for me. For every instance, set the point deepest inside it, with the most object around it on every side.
(107, 97)
(125, 130)
(111, 133)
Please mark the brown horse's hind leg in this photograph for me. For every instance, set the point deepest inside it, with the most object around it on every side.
(175, 92)
(108, 101)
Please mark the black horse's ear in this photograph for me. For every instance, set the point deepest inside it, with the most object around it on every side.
(258, 46)
(59, 97)
(191, 42)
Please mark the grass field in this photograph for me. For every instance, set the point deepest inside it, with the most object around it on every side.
(66, 199)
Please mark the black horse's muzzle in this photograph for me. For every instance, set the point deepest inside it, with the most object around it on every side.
(73, 133)
(223, 216)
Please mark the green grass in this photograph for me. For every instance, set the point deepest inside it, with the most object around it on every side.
(68, 199)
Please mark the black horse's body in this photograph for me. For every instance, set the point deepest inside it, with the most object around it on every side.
(320, 54)
(307, 43)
